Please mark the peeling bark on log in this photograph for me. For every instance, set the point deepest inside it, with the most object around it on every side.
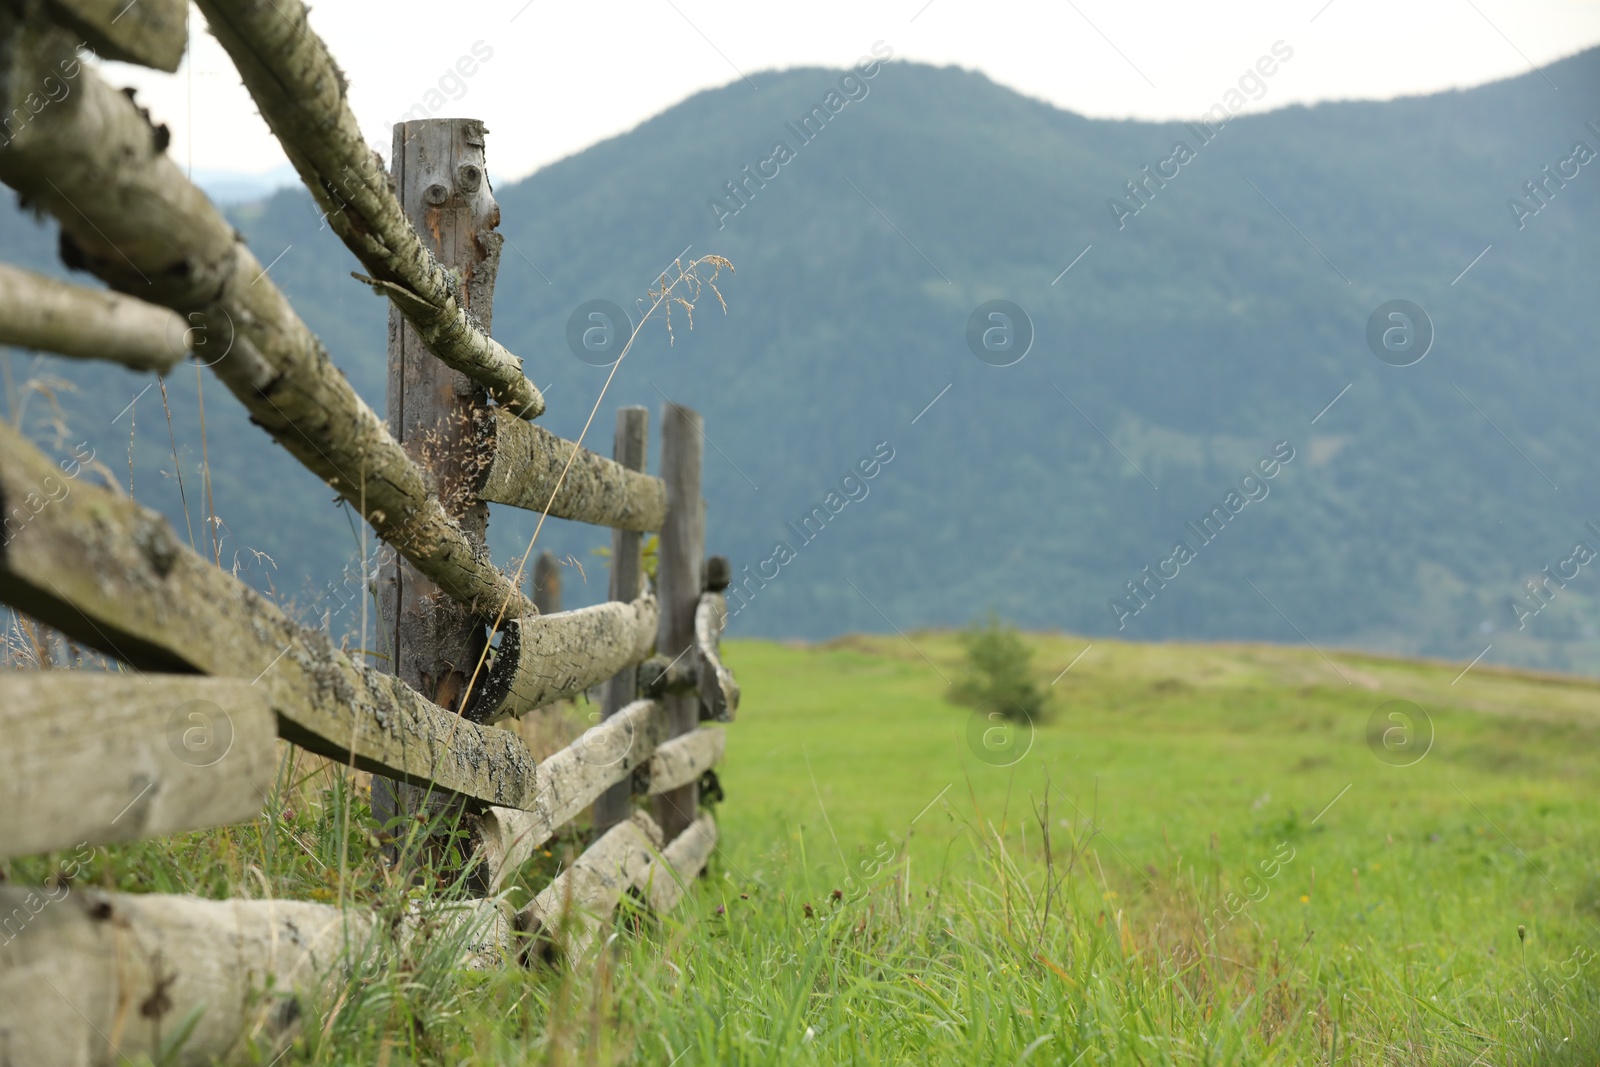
(144, 755)
(719, 693)
(545, 658)
(669, 877)
(152, 33)
(568, 782)
(95, 979)
(684, 759)
(128, 215)
(111, 575)
(73, 320)
(302, 94)
(529, 459)
(563, 919)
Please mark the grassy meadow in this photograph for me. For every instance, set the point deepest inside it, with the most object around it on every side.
(1204, 854)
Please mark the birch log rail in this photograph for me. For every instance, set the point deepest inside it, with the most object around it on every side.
(545, 658)
(53, 316)
(141, 751)
(110, 574)
(216, 680)
(569, 781)
(530, 461)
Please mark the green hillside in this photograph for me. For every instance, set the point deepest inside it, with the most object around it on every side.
(1215, 323)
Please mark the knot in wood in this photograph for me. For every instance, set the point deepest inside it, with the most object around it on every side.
(436, 194)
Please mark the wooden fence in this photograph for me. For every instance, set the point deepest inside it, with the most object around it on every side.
(89, 758)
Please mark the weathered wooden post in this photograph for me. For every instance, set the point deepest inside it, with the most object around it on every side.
(629, 448)
(434, 643)
(678, 585)
(547, 583)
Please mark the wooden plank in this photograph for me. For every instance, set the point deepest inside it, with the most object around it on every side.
(668, 879)
(74, 320)
(111, 575)
(545, 658)
(679, 584)
(89, 758)
(303, 96)
(152, 33)
(96, 979)
(430, 642)
(685, 758)
(529, 461)
(434, 411)
(630, 449)
(568, 782)
(129, 216)
(563, 919)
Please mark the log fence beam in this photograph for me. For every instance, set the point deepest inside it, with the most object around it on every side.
(73, 320)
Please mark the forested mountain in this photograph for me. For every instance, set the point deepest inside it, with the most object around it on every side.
(1218, 299)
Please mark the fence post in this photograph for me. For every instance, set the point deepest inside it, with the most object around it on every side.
(629, 448)
(681, 557)
(435, 412)
(547, 583)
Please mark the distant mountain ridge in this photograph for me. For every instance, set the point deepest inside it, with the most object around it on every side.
(1171, 348)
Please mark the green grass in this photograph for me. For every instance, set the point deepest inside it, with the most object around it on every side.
(1232, 875)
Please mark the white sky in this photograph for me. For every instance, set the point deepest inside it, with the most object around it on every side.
(565, 75)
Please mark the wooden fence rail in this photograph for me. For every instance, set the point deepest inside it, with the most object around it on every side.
(214, 676)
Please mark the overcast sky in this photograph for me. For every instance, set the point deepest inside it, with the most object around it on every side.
(560, 76)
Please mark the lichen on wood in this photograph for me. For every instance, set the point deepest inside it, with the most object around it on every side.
(111, 575)
(530, 462)
(685, 758)
(568, 782)
(563, 919)
(545, 658)
(146, 754)
(668, 878)
(73, 320)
